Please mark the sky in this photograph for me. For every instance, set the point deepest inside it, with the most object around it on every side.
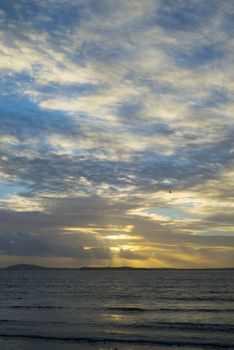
(116, 133)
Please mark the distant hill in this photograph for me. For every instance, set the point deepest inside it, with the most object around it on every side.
(83, 268)
(25, 267)
(37, 267)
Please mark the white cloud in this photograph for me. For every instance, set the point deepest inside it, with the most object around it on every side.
(22, 204)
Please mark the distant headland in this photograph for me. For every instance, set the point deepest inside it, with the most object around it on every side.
(30, 267)
(26, 267)
(38, 267)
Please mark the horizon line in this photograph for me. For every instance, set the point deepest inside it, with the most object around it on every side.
(32, 266)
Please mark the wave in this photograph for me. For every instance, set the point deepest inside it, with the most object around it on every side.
(167, 309)
(128, 309)
(197, 298)
(154, 326)
(185, 326)
(138, 341)
(35, 307)
(120, 309)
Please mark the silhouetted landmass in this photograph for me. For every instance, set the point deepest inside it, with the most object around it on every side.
(107, 268)
(26, 267)
(123, 268)
(110, 268)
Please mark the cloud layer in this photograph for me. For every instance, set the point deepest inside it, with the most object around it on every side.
(107, 106)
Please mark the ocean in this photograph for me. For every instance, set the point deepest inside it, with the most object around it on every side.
(63, 309)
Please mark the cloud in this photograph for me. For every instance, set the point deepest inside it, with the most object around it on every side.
(183, 16)
(131, 255)
(26, 244)
(107, 106)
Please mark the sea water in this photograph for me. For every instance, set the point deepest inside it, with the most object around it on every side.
(132, 309)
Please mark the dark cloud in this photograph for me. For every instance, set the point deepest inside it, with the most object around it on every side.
(66, 212)
(25, 244)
